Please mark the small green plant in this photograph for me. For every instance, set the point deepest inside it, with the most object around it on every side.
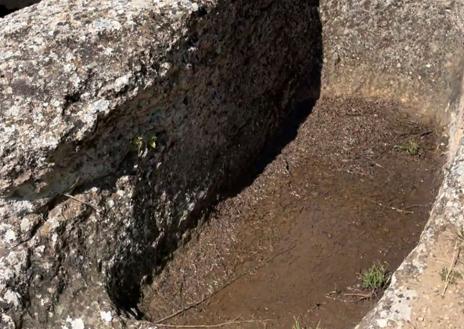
(451, 276)
(137, 143)
(296, 324)
(376, 277)
(141, 144)
(411, 147)
(152, 142)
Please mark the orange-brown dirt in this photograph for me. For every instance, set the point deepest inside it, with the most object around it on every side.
(338, 198)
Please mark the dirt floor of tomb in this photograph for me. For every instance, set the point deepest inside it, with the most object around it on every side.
(347, 192)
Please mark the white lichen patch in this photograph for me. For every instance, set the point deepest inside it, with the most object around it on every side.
(106, 316)
(164, 69)
(75, 323)
(7, 321)
(400, 309)
(102, 25)
(11, 297)
(417, 262)
(10, 236)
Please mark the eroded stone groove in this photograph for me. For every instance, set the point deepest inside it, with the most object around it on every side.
(227, 122)
(121, 122)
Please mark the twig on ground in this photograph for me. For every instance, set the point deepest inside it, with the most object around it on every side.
(418, 206)
(218, 325)
(83, 202)
(199, 302)
(361, 295)
(403, 211)
(186, 308)
(420, 134)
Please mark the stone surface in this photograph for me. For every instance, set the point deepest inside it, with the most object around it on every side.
(416, 296)
(410, 51)
(413, 52)
(120, 122)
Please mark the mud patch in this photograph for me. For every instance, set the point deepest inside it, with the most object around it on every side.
(345, 193)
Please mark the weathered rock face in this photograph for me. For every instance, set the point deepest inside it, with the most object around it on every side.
(410, 51)
(413, 52)
(121, 121)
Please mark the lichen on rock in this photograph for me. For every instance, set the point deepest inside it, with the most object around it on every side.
(85, 218)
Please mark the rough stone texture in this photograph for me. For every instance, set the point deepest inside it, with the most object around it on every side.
(415, 297)
(87, 86)
(407, 50)
(120, 122)
(411, 51)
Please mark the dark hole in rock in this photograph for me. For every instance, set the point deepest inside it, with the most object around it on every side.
(9, 6)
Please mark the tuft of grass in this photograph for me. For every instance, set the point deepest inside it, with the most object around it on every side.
(152, 142)
(376, 277)
(460, 235)
(411, 147)
(298, 325)
(141, 145)
(137, 143)
(452, 276)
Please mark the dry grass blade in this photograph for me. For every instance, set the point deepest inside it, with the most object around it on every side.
(361, 296)
(218, 325)
(402, 211)
(82, 202)
(454, 260)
